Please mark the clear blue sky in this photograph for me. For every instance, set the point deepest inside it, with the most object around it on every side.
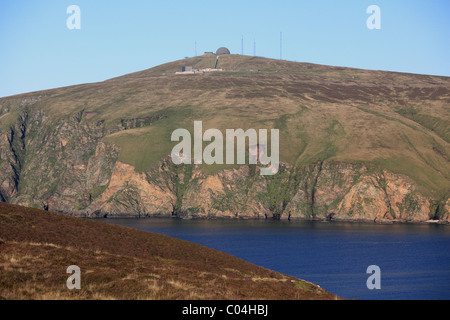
(38, 51)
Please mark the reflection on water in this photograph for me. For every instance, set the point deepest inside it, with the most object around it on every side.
(414, 259)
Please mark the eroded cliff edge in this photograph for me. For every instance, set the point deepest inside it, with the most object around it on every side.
(65, 165)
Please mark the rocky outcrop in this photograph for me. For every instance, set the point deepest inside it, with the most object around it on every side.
(323, 191)
(446, 212)
(60, 165)
(12, 156)
(132, 194)
(65, 165)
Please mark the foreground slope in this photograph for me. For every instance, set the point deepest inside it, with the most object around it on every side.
(355, 144)
(36, 247)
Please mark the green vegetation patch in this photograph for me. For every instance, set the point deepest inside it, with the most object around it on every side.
(144, 147)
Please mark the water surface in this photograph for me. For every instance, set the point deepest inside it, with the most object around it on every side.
(414, 259)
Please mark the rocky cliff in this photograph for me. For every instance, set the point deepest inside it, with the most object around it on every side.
(66, 167)
(62, 158)
(325, 191)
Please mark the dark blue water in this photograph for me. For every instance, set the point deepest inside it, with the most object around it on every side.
(414, 259)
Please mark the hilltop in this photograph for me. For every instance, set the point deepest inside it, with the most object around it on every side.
(36, 248)
(354, 144)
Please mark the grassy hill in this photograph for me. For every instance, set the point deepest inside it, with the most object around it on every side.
(36, 247)
(391, 121)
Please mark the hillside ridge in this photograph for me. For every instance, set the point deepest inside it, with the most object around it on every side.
(36, 248)
(101, 149)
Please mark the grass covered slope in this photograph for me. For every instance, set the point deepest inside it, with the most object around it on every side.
(36, 247)
(399, 121)
(62, 147)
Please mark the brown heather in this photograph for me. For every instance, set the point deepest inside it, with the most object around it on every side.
(119, 263)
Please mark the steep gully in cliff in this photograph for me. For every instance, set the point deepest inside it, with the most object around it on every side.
(312, 192)
(16, 141)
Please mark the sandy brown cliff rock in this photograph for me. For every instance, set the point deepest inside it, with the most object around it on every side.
(70, 169)
(333, 191)
(347, 136)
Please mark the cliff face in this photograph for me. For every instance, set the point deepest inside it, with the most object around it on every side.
(354, 144)
(333, 191)
(67, 167)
